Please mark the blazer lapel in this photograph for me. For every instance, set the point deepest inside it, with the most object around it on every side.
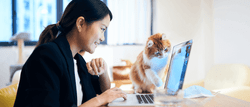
(63, 45)
(85, 79)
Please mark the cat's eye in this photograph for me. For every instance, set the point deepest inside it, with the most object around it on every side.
(166, 49)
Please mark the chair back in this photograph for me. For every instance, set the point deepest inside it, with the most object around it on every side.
(8, 95)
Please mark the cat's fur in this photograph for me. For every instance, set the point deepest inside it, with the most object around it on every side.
(150, 67)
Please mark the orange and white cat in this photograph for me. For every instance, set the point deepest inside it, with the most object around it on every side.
(150, 67)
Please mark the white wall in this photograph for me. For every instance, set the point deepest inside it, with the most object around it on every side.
(111, 54)
(9, 56)
(188, 19)
(232, 31)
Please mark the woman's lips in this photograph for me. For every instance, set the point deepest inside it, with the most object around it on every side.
(96, 43)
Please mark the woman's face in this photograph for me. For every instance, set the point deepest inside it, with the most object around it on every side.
(93, 35)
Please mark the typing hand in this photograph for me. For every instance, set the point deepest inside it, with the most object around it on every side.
(112, 94)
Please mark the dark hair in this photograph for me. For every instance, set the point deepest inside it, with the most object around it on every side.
(91, 10)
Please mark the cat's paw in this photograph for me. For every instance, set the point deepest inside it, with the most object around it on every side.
(159, 83)
(150, 91)
(138, 91)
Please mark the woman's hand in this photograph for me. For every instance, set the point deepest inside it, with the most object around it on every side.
(97, 66)
(105, 98)
(110, 95)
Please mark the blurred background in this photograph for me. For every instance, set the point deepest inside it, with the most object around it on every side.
(220, 30)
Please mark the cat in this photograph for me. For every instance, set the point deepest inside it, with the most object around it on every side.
(150, 67)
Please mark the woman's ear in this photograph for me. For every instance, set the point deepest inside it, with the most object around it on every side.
(80, 23)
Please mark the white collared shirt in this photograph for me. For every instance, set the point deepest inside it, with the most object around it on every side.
(78, 85)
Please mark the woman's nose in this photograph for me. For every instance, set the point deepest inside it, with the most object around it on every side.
(102, 38)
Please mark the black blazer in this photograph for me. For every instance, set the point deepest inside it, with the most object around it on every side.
(48, 79)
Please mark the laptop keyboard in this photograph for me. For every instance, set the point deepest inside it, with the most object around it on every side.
(145, 98)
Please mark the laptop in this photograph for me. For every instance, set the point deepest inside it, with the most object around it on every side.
(174, 79)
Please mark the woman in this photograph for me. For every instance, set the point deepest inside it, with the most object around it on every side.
(48, 77)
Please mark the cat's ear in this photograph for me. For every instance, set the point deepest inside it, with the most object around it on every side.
(150, 43)
(164, 36)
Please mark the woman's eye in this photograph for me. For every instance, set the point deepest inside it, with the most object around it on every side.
(103, 29)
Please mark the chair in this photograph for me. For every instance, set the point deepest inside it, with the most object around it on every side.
(8, 95)
(121, 74)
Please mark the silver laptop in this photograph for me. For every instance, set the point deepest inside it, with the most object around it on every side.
(174, 80)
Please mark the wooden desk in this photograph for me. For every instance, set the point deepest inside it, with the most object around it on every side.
(219, 100)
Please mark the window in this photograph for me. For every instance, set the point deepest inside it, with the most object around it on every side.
(65, 3)
(130, 25)
(34, 15)
(131, 22)
(5, 20)
(30, 16)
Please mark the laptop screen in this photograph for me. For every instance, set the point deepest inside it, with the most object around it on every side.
(178, 66)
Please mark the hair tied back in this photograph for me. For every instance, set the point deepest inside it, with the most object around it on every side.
(59, 28)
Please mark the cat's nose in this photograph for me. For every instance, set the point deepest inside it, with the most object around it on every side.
(160, 56)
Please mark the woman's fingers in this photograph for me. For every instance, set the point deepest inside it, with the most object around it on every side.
(123, 95)
(113, 88)
(98, 62)
(100, 65)
(93, 65)
(90, 69)
(117, 89)
(101, 62)
(96, 66)
(112, 94)
(120, 93)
